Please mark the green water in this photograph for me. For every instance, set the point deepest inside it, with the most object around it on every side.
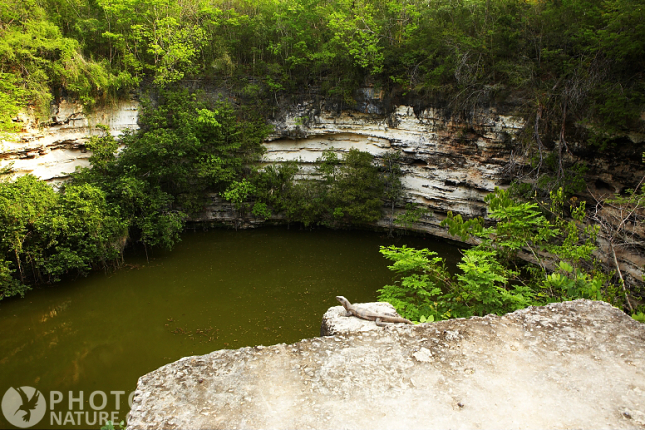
(216, 290)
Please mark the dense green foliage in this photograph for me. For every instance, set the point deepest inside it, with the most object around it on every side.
(45, 234)
(574, 61)
(38, 62)
(340, 192)
(350, 191)
(184, 149)
(492, 278)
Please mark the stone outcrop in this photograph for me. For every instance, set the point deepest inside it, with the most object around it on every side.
(448, 165)
(335, 322)
(53, 151)
(578, 364)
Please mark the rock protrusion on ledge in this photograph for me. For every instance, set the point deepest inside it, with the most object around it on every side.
(577, 364)
(335, 322)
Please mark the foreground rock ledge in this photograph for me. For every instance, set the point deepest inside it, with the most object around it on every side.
(578, 364)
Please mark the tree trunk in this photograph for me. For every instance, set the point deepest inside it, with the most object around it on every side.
(620, 274)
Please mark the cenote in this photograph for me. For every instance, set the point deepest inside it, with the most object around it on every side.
(217, 289)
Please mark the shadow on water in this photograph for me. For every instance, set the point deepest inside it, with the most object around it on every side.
(217, 289)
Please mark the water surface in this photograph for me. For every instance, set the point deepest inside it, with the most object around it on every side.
(217, 289)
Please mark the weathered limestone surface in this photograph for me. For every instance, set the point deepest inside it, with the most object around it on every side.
(54, 151)
(334, 321)
(448, 164)
(569, 365)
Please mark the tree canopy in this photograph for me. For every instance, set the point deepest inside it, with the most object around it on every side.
(575, 60)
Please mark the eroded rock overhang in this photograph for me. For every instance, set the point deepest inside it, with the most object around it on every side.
(447, 164)
(54, 150)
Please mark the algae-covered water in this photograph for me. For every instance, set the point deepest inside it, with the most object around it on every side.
(217, 289)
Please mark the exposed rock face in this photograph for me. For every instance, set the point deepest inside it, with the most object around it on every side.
(449, 165)
(568, 365)
(52, 152)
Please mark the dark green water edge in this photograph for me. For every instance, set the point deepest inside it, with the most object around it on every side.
(218, 289)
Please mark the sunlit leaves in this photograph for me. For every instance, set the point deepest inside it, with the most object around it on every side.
(45, 234)
(35, 58)
(492, 278)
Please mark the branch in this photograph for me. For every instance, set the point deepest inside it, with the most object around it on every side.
(622, 281)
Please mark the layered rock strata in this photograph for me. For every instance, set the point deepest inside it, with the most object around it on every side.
(54, 150)
(448, 164)
(567, 365)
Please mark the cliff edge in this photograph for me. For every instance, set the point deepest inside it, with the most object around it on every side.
(576, 364)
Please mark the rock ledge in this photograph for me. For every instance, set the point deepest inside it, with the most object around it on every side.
(577, 364)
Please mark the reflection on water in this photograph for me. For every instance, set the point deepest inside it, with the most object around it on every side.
(217, 289)
(54, 311)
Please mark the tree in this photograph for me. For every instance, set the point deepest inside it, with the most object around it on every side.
(423, 278)
(621, 219)
(275, 186)
(238, 193)
(492, 277)
(183, 149)
(45, 235)
(37, 62)
(392, 182)
(355, 188)
(23, 204)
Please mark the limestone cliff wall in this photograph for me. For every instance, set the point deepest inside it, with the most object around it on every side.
(448, 164)
(54, 150)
